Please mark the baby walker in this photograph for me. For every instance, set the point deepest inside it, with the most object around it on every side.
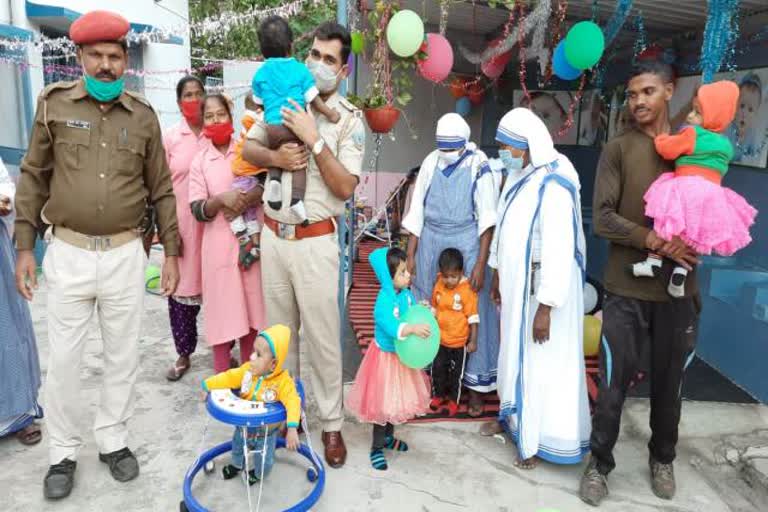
(225, 406)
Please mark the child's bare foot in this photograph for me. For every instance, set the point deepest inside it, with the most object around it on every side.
(527, 463)
(334, 116)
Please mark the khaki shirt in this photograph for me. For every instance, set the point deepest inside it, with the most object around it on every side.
(92, 168)
(346, 140)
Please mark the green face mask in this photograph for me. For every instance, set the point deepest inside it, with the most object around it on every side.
(104, 91)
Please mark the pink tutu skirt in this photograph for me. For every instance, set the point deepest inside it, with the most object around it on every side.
(706, 216)
(387, 391)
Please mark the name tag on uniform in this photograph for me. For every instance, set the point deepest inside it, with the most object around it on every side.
(83, 125)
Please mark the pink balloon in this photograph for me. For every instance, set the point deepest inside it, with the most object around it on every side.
(493, 68)
(439, 62)
(599, 315)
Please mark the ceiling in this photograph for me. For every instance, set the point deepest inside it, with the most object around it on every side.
(662, 18)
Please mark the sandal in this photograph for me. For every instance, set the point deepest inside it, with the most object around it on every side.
(29, 435)
(177, 371)
(476, 406)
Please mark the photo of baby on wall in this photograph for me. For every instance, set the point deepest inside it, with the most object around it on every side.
(552, 107)
(593, 119)
(618, 116)
(749, 131)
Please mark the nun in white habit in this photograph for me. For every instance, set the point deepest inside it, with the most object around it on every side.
(454, 204)
(539, 251)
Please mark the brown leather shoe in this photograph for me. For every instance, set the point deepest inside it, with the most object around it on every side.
(335, 449)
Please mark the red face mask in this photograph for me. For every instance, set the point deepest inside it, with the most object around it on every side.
(190, 109)
(219, 133)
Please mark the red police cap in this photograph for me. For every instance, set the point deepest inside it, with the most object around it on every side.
(98, 27)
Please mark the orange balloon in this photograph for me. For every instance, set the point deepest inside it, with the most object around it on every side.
(458, 88)
(476, 93)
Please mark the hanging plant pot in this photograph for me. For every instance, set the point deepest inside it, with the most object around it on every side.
(382, 119)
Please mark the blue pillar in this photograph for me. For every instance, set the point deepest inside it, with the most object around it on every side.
(345, 252)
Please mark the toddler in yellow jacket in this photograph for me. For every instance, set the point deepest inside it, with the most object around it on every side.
(262, 379)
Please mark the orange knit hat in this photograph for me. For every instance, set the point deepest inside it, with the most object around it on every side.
(717, 103)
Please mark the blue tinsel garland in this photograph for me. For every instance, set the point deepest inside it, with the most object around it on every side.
(719, 36)
(612, 28)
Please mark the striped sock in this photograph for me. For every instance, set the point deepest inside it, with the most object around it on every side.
(378, 461)
(392, 443)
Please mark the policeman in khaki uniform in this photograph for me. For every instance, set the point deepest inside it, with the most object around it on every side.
(300, 263)
(95, 161)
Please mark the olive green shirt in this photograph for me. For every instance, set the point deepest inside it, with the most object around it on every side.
(93, 167)
(628, 165)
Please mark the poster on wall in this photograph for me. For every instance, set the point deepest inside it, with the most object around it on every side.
(618, 117)
(552, 107)
(749, 131)
(593, 119)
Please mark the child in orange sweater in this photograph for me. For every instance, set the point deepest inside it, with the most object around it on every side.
(455, 305)
(246, 227)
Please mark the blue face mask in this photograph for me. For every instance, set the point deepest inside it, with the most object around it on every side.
(511, 163)
(104, 91)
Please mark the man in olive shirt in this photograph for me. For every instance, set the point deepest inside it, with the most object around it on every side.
(95, 161)
(640, 319)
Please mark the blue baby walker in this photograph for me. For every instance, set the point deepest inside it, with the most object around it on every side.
(225, 406)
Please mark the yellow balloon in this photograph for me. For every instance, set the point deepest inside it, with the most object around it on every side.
(593, 328)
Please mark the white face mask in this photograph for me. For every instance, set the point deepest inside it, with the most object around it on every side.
(325, 79)
(449, 157)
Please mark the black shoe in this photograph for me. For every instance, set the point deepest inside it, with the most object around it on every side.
(59, 480)
(122, 464)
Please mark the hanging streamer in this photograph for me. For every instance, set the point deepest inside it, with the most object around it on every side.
(620, 15)
(718, 37)
(218, 25)
(532, 21)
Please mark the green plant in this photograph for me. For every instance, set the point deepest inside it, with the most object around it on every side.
(391, 77)
(239, 40)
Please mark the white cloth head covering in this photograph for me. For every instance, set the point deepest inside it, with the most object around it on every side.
(452, 132)
(522, 129)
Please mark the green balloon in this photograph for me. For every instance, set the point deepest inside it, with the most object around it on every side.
(405, 33)
(152, 277)
(584, 45)
(358, 43)
(416, 352)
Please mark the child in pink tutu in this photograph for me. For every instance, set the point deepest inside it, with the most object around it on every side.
(386, 392)
(691, 203)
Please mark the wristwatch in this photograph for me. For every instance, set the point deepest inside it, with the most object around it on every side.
(317, 148)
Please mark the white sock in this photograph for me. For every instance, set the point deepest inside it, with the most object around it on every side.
(648, 267)
(676, 286)
(299, 210)
(252, 227)
(238, 225)
(273, 191)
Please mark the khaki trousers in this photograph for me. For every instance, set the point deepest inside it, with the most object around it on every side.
(300, 281)
(79, 282)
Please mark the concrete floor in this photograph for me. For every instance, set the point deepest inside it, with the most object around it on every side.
(450, 467)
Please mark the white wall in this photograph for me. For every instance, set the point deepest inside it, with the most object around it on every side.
(162, 13)
(237, 82)
(159, 89)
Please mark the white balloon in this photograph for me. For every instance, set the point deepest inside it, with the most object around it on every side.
(590, 298)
